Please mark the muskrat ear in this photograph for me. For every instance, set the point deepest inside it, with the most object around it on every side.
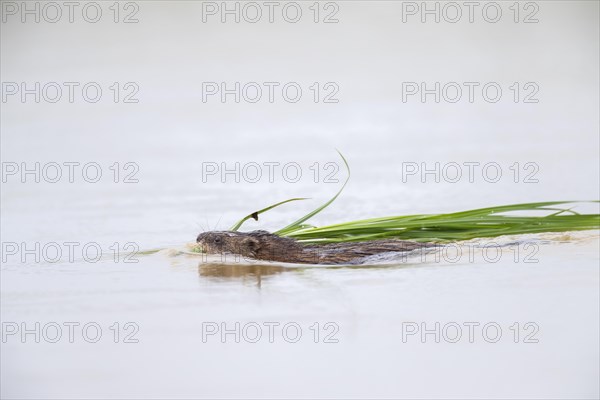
(250, 244)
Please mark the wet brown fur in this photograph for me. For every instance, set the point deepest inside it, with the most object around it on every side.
(262, 245)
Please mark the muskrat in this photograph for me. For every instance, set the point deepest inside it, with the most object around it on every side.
(262, 245)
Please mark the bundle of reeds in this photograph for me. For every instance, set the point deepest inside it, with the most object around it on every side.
(463, 225)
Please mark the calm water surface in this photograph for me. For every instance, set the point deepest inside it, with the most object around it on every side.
(405, 328)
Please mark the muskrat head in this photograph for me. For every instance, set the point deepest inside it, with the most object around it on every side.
(219, 242)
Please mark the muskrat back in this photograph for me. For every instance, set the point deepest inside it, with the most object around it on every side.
(262, 245)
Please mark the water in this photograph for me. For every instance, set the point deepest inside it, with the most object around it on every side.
(543, 299)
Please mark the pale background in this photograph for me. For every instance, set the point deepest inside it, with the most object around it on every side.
(171, 132)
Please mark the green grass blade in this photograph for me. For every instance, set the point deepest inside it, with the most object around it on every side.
(297, 224)
(255, 214)
(464, 225)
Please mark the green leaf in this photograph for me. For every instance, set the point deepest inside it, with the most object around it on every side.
(464, 225)
(298, 224)
(255, 214)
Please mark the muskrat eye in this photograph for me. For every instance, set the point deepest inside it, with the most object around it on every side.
(217, 240)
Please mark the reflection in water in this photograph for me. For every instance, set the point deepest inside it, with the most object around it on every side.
(242, 271)
(255, 272)
(220, 268)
